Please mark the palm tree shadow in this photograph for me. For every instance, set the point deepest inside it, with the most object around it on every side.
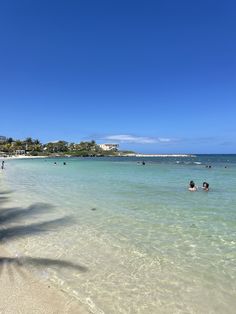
(11, 228)
(34, 228)
(14, 265)
(38, 262)
(5, 192)
(3, 199)
(16, 213)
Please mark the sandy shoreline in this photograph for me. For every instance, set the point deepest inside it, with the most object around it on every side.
(21, 157)
(21, 290)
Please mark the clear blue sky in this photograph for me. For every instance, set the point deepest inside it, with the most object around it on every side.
(154, 76)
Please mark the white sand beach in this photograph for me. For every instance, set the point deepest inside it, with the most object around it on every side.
(21, 157)
(22, 292)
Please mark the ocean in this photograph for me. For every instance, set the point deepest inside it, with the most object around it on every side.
(123, 237)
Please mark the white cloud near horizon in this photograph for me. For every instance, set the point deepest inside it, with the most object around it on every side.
(127, 138)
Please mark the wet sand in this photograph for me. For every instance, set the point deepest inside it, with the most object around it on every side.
(22, 292)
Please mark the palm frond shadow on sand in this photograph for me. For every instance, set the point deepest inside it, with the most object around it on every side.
(12, 226)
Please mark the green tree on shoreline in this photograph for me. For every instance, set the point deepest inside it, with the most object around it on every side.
(33, 147)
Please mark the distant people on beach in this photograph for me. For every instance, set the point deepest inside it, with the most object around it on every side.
(3, 163)
(192, 186)
(205, 186)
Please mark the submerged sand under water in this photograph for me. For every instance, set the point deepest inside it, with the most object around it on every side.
(132, 238)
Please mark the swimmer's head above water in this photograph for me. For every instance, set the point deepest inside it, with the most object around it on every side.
(205, 186)
(192, 186)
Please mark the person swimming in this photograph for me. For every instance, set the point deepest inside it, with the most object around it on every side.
(205, 186)
(192, 186)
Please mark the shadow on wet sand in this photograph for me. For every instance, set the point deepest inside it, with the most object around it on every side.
(12, 226)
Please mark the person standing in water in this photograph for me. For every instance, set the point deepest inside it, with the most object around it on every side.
(192, 186)
(3, 162)
(205, 186)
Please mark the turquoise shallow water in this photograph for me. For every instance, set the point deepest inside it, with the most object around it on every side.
(147, 244)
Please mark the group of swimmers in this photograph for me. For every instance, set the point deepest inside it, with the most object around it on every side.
(142, 163)
(193, 187)
(64, 163)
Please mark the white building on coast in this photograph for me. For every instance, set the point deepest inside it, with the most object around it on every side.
(108, 147)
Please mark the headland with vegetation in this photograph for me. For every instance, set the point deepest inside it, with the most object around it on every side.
(33, 147)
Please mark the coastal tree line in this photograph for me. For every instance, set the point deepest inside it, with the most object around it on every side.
(34, 147)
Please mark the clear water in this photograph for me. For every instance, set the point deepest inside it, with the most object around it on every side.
(146, 243)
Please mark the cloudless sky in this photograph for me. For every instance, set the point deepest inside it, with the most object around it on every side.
(154, 76)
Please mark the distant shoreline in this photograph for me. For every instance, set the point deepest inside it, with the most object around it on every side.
(162, 155)
(122, 155)
(22, 157)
